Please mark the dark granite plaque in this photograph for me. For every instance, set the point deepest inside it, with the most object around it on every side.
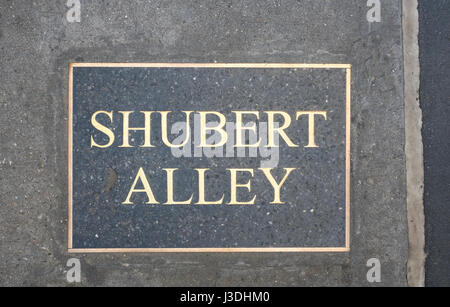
(184, 180)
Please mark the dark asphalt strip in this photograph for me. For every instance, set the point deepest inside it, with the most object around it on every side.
(434, 42)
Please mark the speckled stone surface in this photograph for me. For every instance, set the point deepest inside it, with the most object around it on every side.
(37, 43)
(313, 214)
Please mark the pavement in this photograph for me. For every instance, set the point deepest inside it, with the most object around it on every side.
(434, 101)
(37, 43)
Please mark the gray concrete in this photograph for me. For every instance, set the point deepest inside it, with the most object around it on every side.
(413, 146)
(36, 45)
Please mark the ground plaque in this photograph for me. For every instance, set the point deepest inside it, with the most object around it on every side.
(209, 157)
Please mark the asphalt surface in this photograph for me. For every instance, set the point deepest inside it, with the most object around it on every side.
(434, 99)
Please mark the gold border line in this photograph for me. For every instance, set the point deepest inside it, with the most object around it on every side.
(212, 250)
(70, 156)
(348, 112)
(214, 65)
(347, 67)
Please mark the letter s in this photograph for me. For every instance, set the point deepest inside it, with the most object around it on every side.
(102, 128)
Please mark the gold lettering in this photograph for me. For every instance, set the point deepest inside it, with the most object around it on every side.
(164, 129)
(201, 189)
(235, 185)
(147, 189)
(219, 128)
(146, 129)
(275, 185)
(240, 129)
(280, 130)
(170, 197)
(102, 128)
(311, 134)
